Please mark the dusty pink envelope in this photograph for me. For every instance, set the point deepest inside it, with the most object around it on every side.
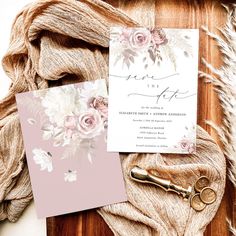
(64, 130)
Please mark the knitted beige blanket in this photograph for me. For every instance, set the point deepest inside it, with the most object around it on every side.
(57, 42)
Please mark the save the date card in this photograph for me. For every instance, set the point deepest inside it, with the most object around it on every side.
(64, 131)
(153, 77)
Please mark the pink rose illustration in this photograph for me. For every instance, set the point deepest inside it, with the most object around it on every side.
(90, 123)
(158, 37)
(100, 104)
(125, 34)
(191, 148)
(68, 133)
(70, 124)
(187, 145)
(124, 37)
(184, 144)
(140, 39)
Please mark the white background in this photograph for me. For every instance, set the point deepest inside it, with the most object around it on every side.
(28, 224)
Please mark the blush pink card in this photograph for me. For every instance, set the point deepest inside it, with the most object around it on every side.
(64, 130)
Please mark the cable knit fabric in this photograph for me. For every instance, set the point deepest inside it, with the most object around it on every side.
(153, 211)
(55, 42)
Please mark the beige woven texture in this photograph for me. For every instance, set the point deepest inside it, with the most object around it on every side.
(60, 42)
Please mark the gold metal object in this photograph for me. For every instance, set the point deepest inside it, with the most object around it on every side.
(196, 203)
(140, 175)
(201, 183)
(208, 195)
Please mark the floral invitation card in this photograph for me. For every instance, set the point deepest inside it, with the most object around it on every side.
(153, 90)
(64, 130)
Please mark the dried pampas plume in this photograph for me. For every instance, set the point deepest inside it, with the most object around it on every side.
(224, 83)
(231, 228)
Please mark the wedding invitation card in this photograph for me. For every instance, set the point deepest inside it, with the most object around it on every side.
(152, 90)
(64, 130)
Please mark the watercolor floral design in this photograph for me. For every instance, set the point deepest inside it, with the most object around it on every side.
(43, 158)
(70, 176)
(186, 143)
(75, 116)
(154, 44)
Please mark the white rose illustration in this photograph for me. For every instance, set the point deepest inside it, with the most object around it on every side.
(94, 89)
(61, 102)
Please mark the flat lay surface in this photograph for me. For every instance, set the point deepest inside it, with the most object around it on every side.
(166, 14)
(170, 14)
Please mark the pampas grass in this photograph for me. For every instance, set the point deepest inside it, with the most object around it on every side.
(224, 81)
(231, 228)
